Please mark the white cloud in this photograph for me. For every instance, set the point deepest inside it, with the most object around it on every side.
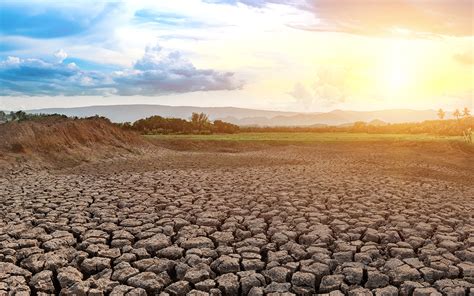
(329, 88)
(60, 55)
(158, 72)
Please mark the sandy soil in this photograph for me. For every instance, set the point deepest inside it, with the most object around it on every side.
(338, 218)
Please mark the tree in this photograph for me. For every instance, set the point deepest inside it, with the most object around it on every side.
(21, 115)
(441, 114)
(465, 112)
(200, 121)
(457, 114)
(359, 126)
(225, 127)
(3, 116)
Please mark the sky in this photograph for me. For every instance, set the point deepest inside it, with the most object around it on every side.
(294, 55)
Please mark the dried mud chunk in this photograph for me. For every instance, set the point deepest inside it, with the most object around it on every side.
(199, 242)
(353, 275)
(12, 269)
(94, 265)
(277, 274)
(149, 281)
(359, 292)
(122, 273)
(197, 293)
(225, 264)
(171, 252)
(426, 292)
(277, 288)
(43, 281)
(178, 288)
(304, 280)
(154, 243)
(256, 291)
(77, 289)
(253, 264)
(67, 276)
(228, 284)
(330, 283)
(467, 269)
(386, 291)
(195, 275)
(376, 279)
(407, 288)
(318, 269)
(205, 285)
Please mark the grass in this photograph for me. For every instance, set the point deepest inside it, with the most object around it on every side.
(306, 137)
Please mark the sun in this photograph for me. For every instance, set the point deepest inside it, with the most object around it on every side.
(396, 70)
(397, 77)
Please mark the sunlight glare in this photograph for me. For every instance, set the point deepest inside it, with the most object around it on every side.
(396, 70)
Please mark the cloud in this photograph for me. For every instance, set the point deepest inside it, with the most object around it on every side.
(158, 72)
(167, 19)
(329, 88)
(256, 3)
(371, 17)
(409, 18)
(61, 55)
(465, 58)
(38, 77)
(302, 95)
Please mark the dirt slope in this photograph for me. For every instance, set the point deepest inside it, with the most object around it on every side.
(65, 141)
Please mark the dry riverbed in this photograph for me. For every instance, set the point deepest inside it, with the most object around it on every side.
(339, 218)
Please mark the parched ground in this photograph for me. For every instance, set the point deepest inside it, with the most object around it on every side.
(338, 218)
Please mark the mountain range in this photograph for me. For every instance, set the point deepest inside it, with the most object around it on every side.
(243, 116)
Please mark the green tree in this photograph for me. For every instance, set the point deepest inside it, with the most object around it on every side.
(21, 115)
(360, 126)
(457, 114)
(466, 112)
(223, 127)
(3, 116)
(200, 121)
(441, 114)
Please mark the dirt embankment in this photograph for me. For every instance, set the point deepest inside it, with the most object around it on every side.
(65, 141)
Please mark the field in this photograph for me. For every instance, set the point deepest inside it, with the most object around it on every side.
(307, 137)
(237, 215)
(243, 142)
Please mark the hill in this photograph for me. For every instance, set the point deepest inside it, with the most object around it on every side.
(242, 116)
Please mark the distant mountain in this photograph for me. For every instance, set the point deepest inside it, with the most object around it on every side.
(124, 113)
(339, 117)
(242, 116)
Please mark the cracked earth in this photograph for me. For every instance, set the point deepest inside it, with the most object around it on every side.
(289, 220)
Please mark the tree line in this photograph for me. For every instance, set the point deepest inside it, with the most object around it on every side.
(198, 124)
(23, 116)
(463, 125)
(457, 114)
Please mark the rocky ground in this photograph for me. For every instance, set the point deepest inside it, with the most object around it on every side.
(323, 219)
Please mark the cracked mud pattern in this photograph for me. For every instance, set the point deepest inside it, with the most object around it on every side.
(305, 222)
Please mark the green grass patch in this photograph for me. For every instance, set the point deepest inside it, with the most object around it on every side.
(306, 137)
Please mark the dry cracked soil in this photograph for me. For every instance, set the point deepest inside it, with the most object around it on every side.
(332, 219)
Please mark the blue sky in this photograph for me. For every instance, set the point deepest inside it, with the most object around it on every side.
(271, 54)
